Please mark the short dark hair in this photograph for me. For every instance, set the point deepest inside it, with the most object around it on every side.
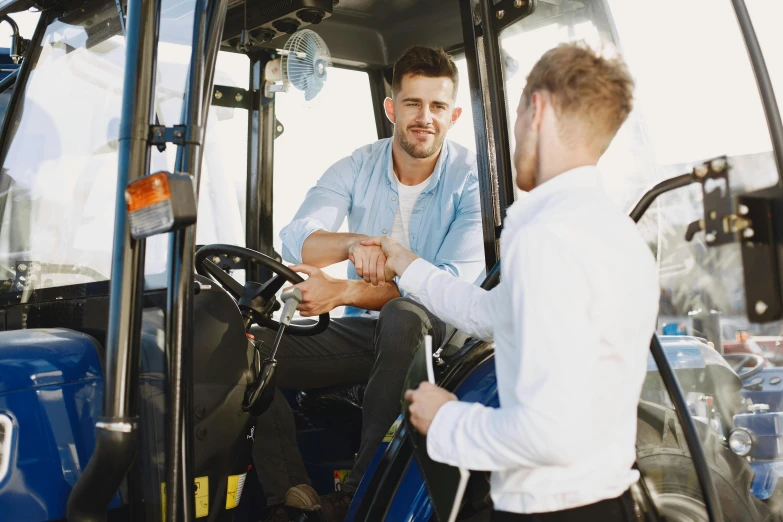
(424, 61)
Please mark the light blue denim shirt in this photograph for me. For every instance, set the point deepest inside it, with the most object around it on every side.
(445, 225)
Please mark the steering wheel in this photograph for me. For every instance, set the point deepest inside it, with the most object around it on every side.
(255, 298)
(744, 358)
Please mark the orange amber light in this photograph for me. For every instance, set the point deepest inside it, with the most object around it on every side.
(148, 191)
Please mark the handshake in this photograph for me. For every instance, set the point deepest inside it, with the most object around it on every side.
(379, 259)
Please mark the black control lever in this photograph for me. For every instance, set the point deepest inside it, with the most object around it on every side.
(259, 396)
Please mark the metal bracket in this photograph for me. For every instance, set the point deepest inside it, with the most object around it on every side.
(232, 97)
(160, 135)
(762, 251)
(508, 12)
(716, 199)
(25, 274)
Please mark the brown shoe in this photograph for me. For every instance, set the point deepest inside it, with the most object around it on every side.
(302, 496)
(333, 507)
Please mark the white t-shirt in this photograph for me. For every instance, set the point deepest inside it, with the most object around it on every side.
(402, 218)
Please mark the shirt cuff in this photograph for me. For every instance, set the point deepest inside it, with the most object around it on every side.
(440, 437)
(294, 236)
(414, 277)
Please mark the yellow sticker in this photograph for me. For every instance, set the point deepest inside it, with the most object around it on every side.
(202, 498)
(163, 501)
(236, 484)
(390, 434)
(339, 478)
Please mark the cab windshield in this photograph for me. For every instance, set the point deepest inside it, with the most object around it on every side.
(58, 183)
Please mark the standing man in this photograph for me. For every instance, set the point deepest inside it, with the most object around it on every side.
(415, 187)
(572, 318)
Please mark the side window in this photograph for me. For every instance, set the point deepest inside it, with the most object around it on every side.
(339, 120)
(222, 195)
(463, 132)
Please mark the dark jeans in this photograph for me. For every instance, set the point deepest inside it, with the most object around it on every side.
(353, 350)
(618, 509)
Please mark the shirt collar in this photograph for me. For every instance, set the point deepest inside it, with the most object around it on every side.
(584, 177)
(433, 179)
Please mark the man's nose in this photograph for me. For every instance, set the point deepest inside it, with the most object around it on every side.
(425, 116)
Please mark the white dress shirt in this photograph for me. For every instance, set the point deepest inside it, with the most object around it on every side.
(572, 321)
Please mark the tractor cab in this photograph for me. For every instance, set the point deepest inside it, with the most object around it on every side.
(152, 151)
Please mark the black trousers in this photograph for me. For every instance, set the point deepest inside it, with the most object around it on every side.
(353, 350)
(618, 509)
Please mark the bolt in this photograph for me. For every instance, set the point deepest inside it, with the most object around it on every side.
(500, 14)
(177, 133)
(761, 307)
(216, 259)
(200, 411)
(201, 433)
(236, 259)
(218, 95)
(279, 128)
(22, 267)
(718, 165)
(713, 214)
(701, 171)
(519, 3)
(156, 182)
(711, 237)
(158, 133)
(748, 233)
(743, 210)
(238, 97)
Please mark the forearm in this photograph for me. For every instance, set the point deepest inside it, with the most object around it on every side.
(459, 303)
(323, 248)
(367, 296)
(494, 439)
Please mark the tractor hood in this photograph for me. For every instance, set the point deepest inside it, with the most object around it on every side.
(46, 357)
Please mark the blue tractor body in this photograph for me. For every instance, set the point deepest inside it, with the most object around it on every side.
(410, 500)
(766, 427)
(51, 388)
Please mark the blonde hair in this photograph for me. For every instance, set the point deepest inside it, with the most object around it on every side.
(591, 94)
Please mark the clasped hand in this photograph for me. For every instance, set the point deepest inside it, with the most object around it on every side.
(379, 259)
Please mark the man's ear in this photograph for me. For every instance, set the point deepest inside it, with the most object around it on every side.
(538, 103)
(388, 106)
(455, 114)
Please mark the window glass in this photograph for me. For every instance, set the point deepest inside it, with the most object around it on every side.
(463, 131)
(58, 185)
(339, 120)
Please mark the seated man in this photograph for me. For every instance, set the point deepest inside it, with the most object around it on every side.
(415, 187)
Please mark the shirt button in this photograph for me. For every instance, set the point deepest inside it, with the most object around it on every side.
(384, 230)
(394, 198)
